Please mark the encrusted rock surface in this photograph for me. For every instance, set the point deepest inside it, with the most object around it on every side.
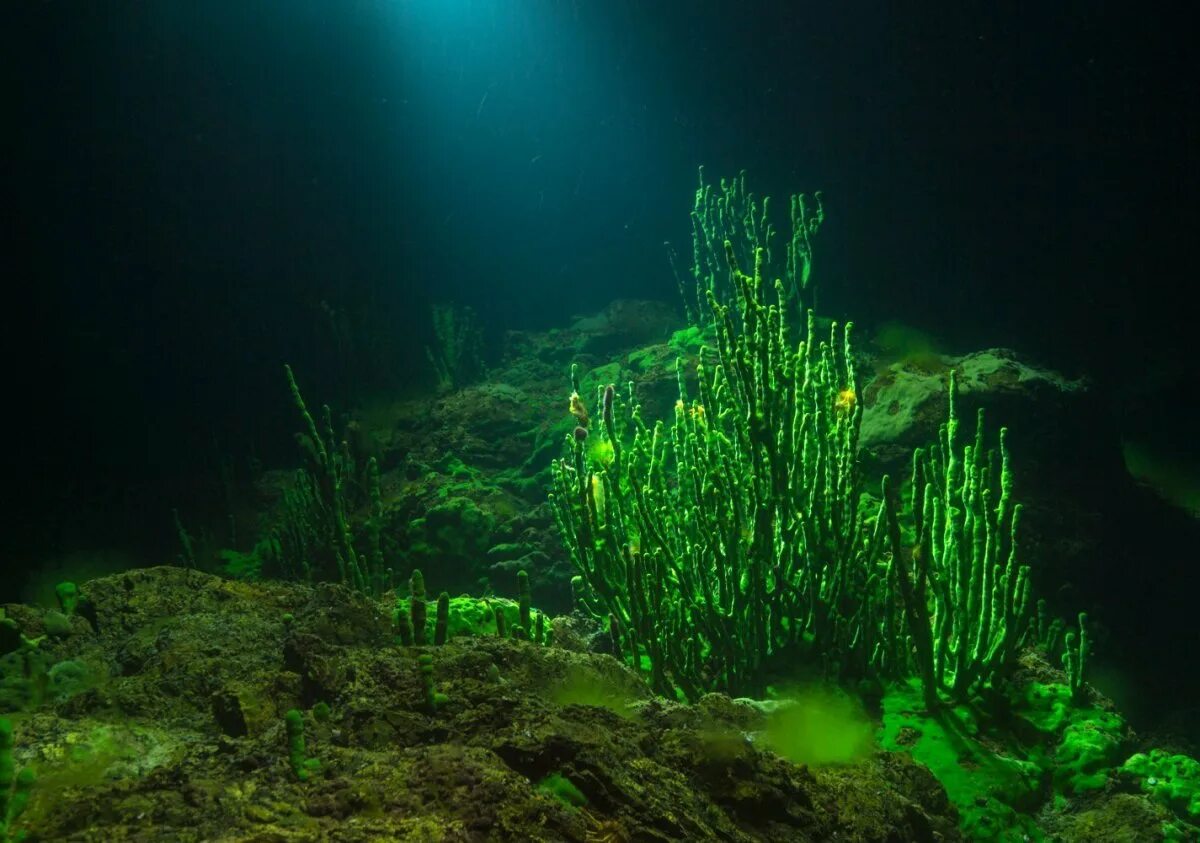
(177, 734)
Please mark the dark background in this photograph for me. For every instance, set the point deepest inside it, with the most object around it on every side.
(192, 186)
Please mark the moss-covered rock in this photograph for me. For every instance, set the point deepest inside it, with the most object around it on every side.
(1172, 779)
(151, 756)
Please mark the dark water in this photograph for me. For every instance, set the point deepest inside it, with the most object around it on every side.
(197, 193)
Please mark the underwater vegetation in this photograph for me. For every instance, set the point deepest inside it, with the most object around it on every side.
(678, 605)
(743, 530)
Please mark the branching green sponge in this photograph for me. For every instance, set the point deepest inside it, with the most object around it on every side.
(302, 765)
(432, 697)
(14, 786)
(443, 619)
(501, 622)
(967, 593)
(417, 607)
(402, 624)
(734, 532)
(1075, 657)
(524, 599)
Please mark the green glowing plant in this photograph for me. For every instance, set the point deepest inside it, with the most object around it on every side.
(442, 621)
(302, 765)
(726, 215)
(739, 532)
(733, 533)
(433, 698)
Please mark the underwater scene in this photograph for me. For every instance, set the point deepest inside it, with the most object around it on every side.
(601, 421)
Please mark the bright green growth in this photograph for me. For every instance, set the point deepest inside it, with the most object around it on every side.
(524, 598)
(302, 765)
(14, 786)
(982, 784)
(68, 597)
(417, 606)
(966, 593)
(322, 712)
(402, 624)
(93, 756)
(1046, 707)
(1173, 780)
(599, 451)
(819, 727)
(433, 698)
(1088, 750)
(443, 619)
(562, 789)
(689, 341)
(466, 616)
(1074, 658)
(454, 529)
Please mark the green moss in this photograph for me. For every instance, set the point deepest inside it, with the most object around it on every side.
(1087, 740)
(81, 759)
(68, 596)
(1089, 748)
(242, 566)
(563, 789)
(1173, 780)
(690, 340)
(1047, 708)
(990, 790)
(450, 464)
(598, 378)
